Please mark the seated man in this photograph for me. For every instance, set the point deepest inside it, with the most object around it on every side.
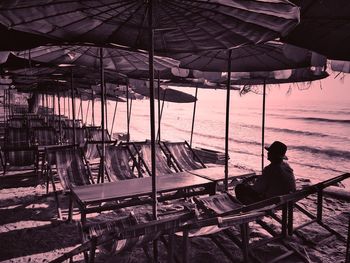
(277, 178)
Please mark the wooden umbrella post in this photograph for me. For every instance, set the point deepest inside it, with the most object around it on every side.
(263, 127)
(103, 91)
(59, 118)
(227, 116)
(194, 115)
(73, 105)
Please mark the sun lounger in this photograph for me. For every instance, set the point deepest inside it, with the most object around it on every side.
(94, 133)
(80, 136)
(16, 137)
(125, 234)
(20, 158)
(183, 156)
(292, 200)
(45, 136)
(163, 163)
(70, 168)
(118, 159)
(232, 213)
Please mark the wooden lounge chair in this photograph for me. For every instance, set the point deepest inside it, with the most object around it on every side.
(232, 213)
(291, 201)
(43, 136)
(17, 137)
(183, 156)
(117, 162)
(80, 136)
(128, 233)
(35, 123)
(94, 133)
(163, 163)
(70, 168)
(20, 158)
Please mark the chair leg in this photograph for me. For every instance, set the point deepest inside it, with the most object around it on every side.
(155, 250)
(290, 208)
(70, 210)
(185, 247)
(245, 241)
(93, 250)
(171, 247)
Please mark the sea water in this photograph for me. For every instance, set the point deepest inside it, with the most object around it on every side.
(316, 133)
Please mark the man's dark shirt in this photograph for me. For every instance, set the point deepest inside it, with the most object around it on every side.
(276, 179)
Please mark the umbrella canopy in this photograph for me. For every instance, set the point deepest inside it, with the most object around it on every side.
(117, 59)
(179, 25)
(324, 28)
(266, 56)
(166, 94)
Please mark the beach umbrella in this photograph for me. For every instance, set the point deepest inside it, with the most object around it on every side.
(324, 27)
(166, 26)
(267, 56)
(114, 59)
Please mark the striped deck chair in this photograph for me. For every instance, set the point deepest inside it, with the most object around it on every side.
(70, 167)
(124, 234)
(79, 133)
(20, 159)
(234, 214)
(118, 160)
(35, 123)
(183, 155)
(45, 136)
(163, 164)
(16, 137)
(94, 133)
(16, 123)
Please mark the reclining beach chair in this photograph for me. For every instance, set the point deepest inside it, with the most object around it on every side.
(35, 123)
(17, 137)
(183, 156)
(19, 122)
(163, 163)
(80, 136)
(94, 133)
(70, 168)
(117, 162)
(44, 136)
(20, 158)
(291, 201)
(124, 234)
(233, 213)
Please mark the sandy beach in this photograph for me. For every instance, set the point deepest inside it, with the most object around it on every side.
(31, 232)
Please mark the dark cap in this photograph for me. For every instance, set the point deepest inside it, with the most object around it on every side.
(278, 149)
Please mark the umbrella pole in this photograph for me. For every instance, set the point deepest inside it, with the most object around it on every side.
(153, 145)
(47, 107)
(102, 162)
(59, 118)
(263, 127)
(194, 115)
(106, 112)
(129, 120)
(159, 116)
(93, 108)
(81, 109)
(73, 105)
(87, 112)
(127, 114)
(161, 113)
(227, 116)
(115, 112)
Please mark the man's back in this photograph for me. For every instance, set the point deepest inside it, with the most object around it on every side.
(277, 179)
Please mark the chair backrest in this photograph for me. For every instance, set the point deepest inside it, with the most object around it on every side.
(16, 123)
(95, 134)
(162, 166)
(184, 156)
(35, 123)
(71, 168)
(20, 156)
(16, 137)
(80, 136)
(45, 136)
(118, 160)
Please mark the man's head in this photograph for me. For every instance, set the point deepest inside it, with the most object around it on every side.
(276, 151)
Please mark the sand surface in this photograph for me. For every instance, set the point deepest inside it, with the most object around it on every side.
(31, 232)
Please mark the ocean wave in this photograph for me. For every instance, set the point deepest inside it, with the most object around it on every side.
(316, 119)
(328, 152)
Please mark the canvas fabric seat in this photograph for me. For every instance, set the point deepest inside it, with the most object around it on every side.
(117, 162)
(45, 136)
(16, 137)
(80, 136)
(183, 155)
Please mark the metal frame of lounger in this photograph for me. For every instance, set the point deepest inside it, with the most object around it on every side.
(163, 163)
(185, 161)
(144, 232)
(292, 199)
(78, 157)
